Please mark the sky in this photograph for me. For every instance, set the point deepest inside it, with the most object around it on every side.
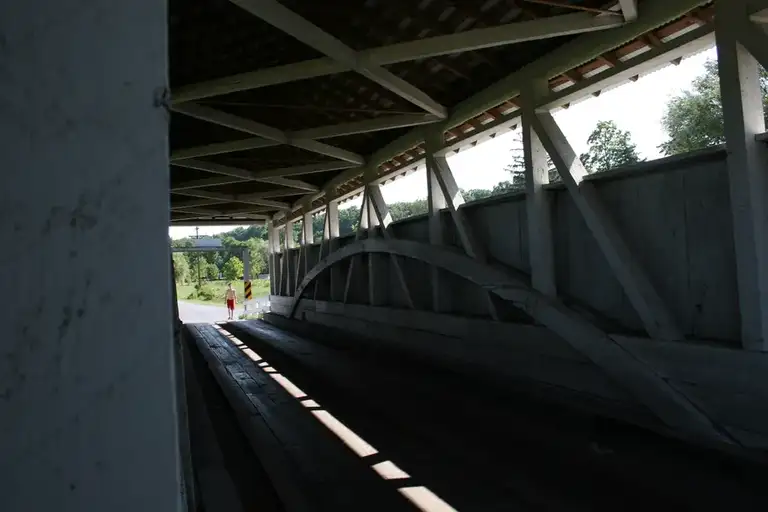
(637, 107)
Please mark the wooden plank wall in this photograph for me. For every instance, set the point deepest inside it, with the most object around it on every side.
(521, 355)
(674, 214)
(729, 385)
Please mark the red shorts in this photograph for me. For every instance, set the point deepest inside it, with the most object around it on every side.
(230, 303)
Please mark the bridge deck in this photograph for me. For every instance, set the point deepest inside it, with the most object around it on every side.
(475, 446)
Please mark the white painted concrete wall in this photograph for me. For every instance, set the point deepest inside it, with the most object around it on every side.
(87, 403)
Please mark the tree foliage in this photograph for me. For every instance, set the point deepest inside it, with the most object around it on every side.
(694, 118)
(516, 168)
(474, 194)
(348, 219)
(318, 225)
(233, 269)
(180, 267)
(609, 147)
(259, 253)
(404, 209)
(245, 234)
(211, 272)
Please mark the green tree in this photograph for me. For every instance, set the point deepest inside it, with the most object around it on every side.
(257, 252)
(474, 194)
(516, 168)
(318, 225)
(297, 227)
(609, 147)
(259, 256)
(694, 119)
(348, 219)
(211, 272)
(404, 209)
(197, 264)
(506, 186)
(233, 269)
(180, 267)
(245, 234)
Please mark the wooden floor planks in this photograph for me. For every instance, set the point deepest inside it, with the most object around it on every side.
(310, 468)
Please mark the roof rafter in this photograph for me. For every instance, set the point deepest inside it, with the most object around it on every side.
(192, 220)
(366, 126)
(629, 9)
(477, 39)
(576, 7)
(234, 198)
(206, 212)
(273, 134)
(294, 25)
(219, 148)
(246, 175)
(194, 203)
(654, 14)
(238, 177)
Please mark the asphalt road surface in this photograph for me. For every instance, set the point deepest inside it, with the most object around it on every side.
(199, 313)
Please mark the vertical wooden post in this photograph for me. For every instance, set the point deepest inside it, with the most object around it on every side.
(747, 167)
(657, 319)
(435, 202)
(538, 210)
(332, 217)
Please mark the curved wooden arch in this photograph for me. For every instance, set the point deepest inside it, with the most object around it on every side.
(670, 405)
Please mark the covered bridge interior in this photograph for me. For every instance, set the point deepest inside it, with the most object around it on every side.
(591, 343)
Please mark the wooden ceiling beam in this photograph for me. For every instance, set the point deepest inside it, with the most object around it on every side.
(652, 40)
(194, 203)
(205, 182)
(294, 25)
(510, 33)
(573, 75)
(222, 147)
(655, 13)
(234, 198)
(628, 9)
(610, 58)
(269, 173)
(366, 126)
(321, 132)
(273, 134)
(575, 7)
(245, 174)
(254, 213)
(192, 220)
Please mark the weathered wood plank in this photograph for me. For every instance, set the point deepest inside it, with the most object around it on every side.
(706, 366)
(478, 366)
(668, 403)
(658, 321)
(530, 338)
(713, 297)
(744, 411)
(215, 483)
(281, 469)
(325, 474)
(454, 352)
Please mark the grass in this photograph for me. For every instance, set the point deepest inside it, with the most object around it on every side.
(260, 288)
(251, 316)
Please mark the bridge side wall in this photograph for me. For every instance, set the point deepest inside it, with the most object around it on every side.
(674, 214)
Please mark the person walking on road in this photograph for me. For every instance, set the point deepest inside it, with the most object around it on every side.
(231, 299)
